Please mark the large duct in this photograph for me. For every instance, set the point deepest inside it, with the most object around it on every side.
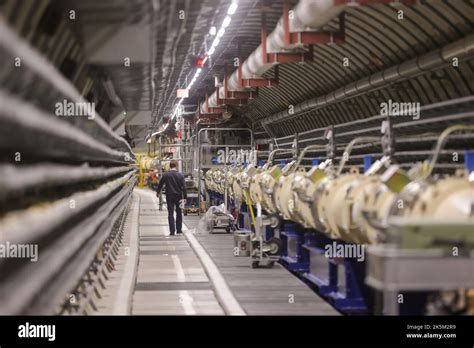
(462, 49)
(308, 13)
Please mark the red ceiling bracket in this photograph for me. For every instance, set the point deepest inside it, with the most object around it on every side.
(217, 110)
(311, 37)
(263, 34)
(225, 82)
(210, 111)
(229, 101)
(241, 95)
(373, 2)
(255, 82)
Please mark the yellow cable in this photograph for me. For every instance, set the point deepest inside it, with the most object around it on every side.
(249, 204)
(140, 171)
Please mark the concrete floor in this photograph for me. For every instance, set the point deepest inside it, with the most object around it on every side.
(262, 291)
(170, 279)
(164, 276)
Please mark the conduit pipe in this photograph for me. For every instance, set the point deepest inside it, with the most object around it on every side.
(462, 49)
(307, 13)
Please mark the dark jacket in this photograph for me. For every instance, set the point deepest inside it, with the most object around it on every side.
(174, 184)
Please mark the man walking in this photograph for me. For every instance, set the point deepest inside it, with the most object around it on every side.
(175, 189)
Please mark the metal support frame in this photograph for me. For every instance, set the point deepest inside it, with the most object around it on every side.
(388, 139)
(340, 281)
(331, 146)
(241, 95)
(280, 57)
(256, 82)
(199, 148)
(212, 110)
(337, 280)
(261, 255)
(389, 270)
(229, 95)
(311, 37)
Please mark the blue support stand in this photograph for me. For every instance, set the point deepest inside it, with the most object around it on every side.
(269, 232)
(243, 216)
(319, 270)
(367, 162)
(339, 280)
(294, 256)
(344, 276)
(469, 161)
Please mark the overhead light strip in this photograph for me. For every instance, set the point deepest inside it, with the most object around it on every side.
(220, 33)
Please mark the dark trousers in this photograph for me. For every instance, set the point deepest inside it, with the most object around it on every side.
(173, 202)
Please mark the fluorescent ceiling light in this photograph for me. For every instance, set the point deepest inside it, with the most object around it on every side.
(212, 31)
(216, 42)
(232, 8)
(226, 22)
(221, 32)
(211, 51)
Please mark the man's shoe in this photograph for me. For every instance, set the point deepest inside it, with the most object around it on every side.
(180, 232)
(171, 234)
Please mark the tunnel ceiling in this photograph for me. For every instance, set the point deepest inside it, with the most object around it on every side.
(375, 40)
(160, 48)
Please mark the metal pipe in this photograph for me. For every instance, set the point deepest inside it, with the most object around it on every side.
(307, 13)
(457, 103)
(63, 256)
(15, 179)
(32, 125)
(111, 93)
(306, 149)
(272, 154)
(440, 144)
(35, 63)
(462, 49)
(348, 149)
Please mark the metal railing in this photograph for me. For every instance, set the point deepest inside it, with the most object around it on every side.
(200, 146)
